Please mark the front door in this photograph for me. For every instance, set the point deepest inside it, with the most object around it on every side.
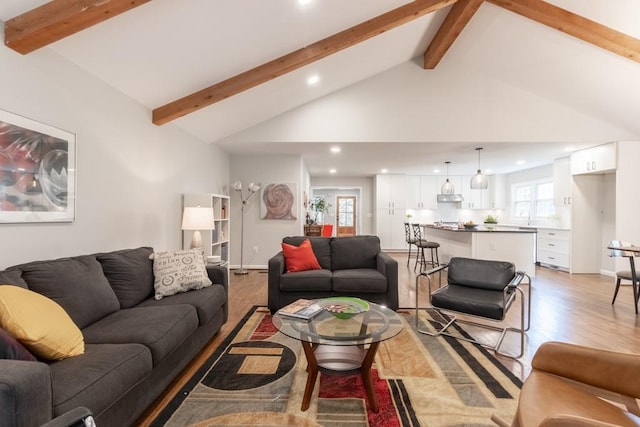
(346, 214)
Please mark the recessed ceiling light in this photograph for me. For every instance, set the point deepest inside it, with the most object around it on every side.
(436, 171)
(520, 162)
(384, 170)
(304, 2)
(488, 171)
(332, 171)
(335, 149)
(568, 149)
(313, 80)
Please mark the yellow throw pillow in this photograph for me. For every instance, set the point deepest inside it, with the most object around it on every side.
(39, 323)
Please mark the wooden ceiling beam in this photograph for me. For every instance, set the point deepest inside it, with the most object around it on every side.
(575, 25)
(58, 19)
(296, 59)
(457, 18)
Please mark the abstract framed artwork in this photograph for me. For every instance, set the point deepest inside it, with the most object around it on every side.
(37, 171)
(278, 202)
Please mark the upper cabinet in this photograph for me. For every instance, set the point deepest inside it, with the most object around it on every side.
(490, 198)
(562, 182)
(598, 159)
(422, 192)
(391, 191)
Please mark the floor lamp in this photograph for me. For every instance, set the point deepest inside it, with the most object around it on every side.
(237, 186)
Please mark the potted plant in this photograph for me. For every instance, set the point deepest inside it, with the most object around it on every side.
(319, 206)
(490, 219)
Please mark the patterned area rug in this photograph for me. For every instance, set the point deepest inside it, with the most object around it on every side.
(257, 378)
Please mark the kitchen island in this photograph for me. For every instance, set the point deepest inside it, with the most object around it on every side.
(486, 242)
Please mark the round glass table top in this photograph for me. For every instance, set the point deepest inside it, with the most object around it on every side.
(374, 325)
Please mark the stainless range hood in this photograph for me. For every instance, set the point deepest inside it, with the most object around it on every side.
(450, 198)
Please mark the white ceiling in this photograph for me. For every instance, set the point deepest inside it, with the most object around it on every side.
(166, 49)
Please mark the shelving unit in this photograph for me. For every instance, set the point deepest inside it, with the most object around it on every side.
(215, 243)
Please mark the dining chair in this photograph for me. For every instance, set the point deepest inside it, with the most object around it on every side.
(625, 274)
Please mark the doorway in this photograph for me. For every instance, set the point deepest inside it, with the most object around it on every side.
(346, 216)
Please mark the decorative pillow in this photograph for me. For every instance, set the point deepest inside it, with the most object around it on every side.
(10, 348)
(300, 258)
(39, 323)
(178, 271)
(130, 274)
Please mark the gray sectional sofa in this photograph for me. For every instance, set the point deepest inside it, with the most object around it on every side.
(351, 266)
(135, 345)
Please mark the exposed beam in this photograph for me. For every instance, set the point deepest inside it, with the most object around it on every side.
(296, 59)
(575, 25)
(58, 19)
(457, 18)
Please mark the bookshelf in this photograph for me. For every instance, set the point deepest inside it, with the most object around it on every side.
(215, 243)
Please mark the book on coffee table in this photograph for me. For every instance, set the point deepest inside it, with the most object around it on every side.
(301, 309)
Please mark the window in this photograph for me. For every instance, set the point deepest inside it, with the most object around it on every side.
(532, 200)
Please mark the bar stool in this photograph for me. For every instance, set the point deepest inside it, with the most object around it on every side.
(409, 239)
(423, 244)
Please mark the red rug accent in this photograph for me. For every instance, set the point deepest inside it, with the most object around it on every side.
(351, 386)
(264, 330)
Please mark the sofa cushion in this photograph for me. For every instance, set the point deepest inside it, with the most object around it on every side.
(178, 271)
(161, 328)
(354, 252)
(98, 377)
(478, 273)
(207, 301)
(10, 348)
(300, 258)
(39, 323)
(77, 284)
(12, 277)
(310, 280)
(130, 274)
(320, 246)
(359, 280)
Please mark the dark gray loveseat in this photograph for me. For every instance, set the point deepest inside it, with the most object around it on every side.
(134, 345)
(351, 266)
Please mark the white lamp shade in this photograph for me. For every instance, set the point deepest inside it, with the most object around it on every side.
(198, 218)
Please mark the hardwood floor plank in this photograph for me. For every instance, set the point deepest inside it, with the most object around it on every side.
(566, 307)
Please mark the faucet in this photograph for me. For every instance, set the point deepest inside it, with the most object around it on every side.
(528, 216)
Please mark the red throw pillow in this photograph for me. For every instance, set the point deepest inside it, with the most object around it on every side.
(300, 258)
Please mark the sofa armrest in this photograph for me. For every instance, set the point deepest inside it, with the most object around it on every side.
(389, 268)
(276, 270)
(25, 393)
(219, 274)
(603, 369)
(79, 416)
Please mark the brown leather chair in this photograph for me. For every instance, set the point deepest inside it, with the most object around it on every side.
(567, 386)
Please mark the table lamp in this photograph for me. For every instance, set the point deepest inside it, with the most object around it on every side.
(197, 218)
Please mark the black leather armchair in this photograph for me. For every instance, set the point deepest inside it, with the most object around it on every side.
(478, 288)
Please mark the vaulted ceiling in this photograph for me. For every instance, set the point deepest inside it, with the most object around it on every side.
(217, 68)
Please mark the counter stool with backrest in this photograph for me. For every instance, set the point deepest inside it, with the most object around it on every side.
(423, 244)
(625, 274)
(408, 236)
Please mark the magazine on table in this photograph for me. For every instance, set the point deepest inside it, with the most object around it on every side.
(301, 309)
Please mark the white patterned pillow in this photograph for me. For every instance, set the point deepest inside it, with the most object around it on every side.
(178, 271)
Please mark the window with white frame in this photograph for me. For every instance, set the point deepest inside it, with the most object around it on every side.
(532, 200)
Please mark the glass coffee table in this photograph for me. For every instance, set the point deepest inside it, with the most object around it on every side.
(341, 346)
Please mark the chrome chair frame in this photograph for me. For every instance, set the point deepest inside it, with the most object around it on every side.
(509, 294)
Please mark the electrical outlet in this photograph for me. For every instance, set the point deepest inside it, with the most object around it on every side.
(255, 249)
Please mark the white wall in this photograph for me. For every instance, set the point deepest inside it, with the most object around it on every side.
(265, 234)
(130, 173)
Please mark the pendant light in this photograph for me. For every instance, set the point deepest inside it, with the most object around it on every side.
(479, 181)
(447, 187)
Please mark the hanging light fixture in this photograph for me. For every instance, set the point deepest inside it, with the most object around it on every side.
(479, 181)
(447, 187)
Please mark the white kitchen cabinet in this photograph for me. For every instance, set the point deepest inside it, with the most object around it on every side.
(497, 191)
(390, 228)
(554, 248)
(391, 191)
(600, 159)
(421, 192)
(562, 182)
(214, 242)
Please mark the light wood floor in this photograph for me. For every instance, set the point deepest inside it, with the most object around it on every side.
(571, 308)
